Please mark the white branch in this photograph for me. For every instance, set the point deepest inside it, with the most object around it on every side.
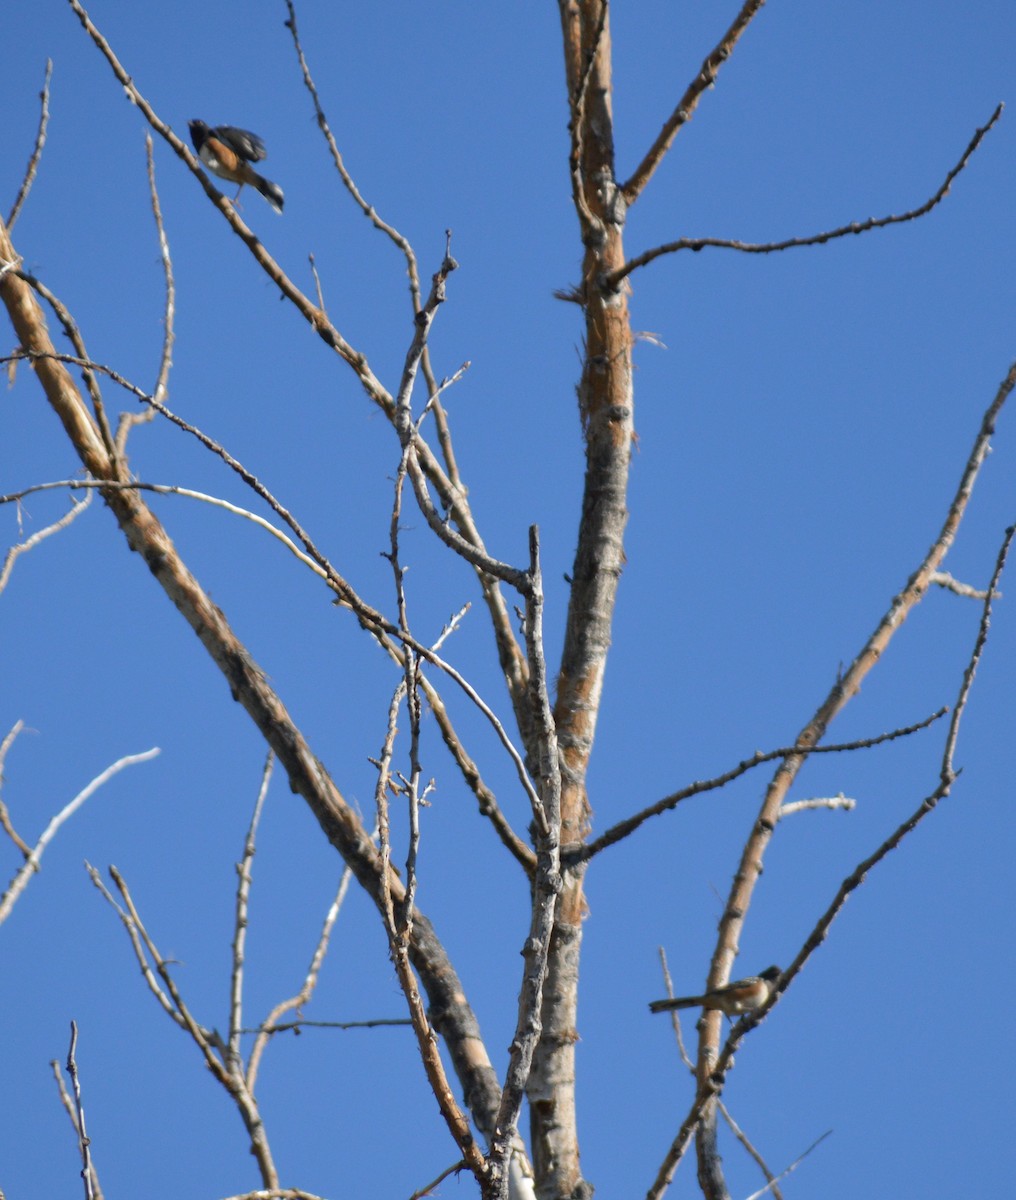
(31, 864)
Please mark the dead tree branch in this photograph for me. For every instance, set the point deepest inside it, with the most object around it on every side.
(67, 1103)
(453, 496)
(160, 391)
(84, 1142)
(40, 535)
(689, 102)
(398, 942)
(712, 1084)
(33, 161)
(623, 829)
(225, 1067)
(31, 864)
(815, 239)
(547, 884)
(5, 817)
(338, 819)
(272, 1024)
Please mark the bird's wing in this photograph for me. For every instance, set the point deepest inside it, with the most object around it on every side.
(241, 141)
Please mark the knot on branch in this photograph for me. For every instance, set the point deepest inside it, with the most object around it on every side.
(552, 883)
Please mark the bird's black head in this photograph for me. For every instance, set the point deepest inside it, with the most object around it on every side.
(770, 973)
(198, 132)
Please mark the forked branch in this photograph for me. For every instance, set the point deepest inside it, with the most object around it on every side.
(712, 1067)
(248, 683)
(510, 655)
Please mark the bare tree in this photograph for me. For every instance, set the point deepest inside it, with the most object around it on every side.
(544, 724)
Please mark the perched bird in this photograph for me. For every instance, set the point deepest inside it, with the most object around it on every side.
(742, 996)
(227, 152)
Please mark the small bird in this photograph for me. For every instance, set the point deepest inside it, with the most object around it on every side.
(227, 152)
(742, 996)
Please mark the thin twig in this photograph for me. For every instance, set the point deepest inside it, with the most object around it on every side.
(73, 333)
(201, 1036)
(949, 583)
(132, 924)
(169, 313)
(409, 436)
(244, 879)
(317, 282)
(827, 802)
(486, 800)
(771, 1185)
(381, 789)
(398, 240)
(166, 489)
(451, 626)
(437, 390)
(88, 365)
(368, 210)
(67, 1102)
(426, 1039)
(40, 535)
(5, 818)
(675, 1015)
(752, 1152)
(84, 1142)
(272, 1025)
(817, 239)
(689, 102)
(624, 828)
(429, 1187)
(36, 155)
(129, 419)
(410, 668)
(31, 864)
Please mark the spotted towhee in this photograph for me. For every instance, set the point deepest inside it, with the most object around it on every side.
(227, 152)
(742, 996)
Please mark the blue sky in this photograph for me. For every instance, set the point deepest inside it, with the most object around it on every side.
(800, 437)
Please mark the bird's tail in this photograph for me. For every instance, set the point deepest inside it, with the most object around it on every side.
(678, 1002)
(271, 191)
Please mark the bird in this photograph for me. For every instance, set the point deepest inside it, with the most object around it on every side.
(741, 996)
(228, 152)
